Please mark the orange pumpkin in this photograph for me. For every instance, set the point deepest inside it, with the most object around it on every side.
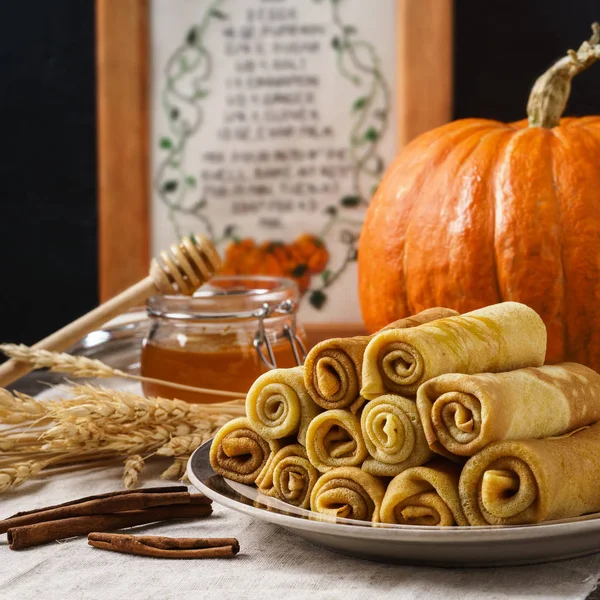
(477, 212)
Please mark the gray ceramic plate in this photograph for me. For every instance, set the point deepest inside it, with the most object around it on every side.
(439, 546)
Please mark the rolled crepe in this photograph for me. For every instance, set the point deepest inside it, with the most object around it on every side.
(501, 337)
(528, 481)
(264, 480)
(278, 404)
(334, 439)
(393, 435)
(348, 492)
(425, 496)
(333, 368)
(463, 413)
(239, 453)
(289, 476)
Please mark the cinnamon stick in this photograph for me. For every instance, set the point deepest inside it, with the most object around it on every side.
(38, 514)
(167, 543)
(152, 490)
(105, 504)
(165, 547)
(27, 536)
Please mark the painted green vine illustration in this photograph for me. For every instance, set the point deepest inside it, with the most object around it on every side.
(187, 71)
(371, 120)
(307, 260)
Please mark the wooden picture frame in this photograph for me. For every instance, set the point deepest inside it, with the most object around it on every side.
(423, 88)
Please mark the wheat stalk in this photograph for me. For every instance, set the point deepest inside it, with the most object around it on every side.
(70, 467)
(133, 467)
(19, 472)
(81, 366)
(103, 405)
(58, 362)
(181, 448)
(176, 470)
(19, 408)
(94, 424)
(183, 445)
(67, 437)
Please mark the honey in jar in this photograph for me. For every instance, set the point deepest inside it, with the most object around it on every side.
(230, 332)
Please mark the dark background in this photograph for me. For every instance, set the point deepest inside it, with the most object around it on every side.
(48, 138)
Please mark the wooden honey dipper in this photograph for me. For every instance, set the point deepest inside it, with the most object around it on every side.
(181, 270)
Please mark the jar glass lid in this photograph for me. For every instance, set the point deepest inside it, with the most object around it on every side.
(230, 297)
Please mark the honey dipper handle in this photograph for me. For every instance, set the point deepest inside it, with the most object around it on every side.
(180, 270)
(60, 340)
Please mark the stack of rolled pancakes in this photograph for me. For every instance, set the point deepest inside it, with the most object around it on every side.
(438, 419)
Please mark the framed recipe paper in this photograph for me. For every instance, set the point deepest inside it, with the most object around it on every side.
(263, 124)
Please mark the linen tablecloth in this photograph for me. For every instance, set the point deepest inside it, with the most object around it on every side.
(272, 562)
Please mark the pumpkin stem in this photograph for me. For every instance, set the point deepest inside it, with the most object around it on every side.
(550, 92)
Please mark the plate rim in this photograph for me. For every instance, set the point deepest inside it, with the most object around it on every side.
(413, 533)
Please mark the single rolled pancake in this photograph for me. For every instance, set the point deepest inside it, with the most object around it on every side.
(463, 413)
(289, 476)
(528, 481)
(334, 439)
(348, 492)
(264, 480)
(239, 453)
(501, 337)
(393, 435)
(278, 404)
(333, 368)
(425, 496)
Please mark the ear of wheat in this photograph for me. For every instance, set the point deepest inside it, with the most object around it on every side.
(133, 467)
(14, 475)
(58, 362)
(176, 470)
(91, 424)
(19, 408)
(81, 366)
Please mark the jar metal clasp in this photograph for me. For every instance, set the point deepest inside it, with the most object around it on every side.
(262, 342)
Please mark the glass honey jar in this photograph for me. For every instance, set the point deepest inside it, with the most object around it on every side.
(228, 333)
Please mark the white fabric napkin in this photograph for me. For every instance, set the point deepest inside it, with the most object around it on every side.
(272, 562)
